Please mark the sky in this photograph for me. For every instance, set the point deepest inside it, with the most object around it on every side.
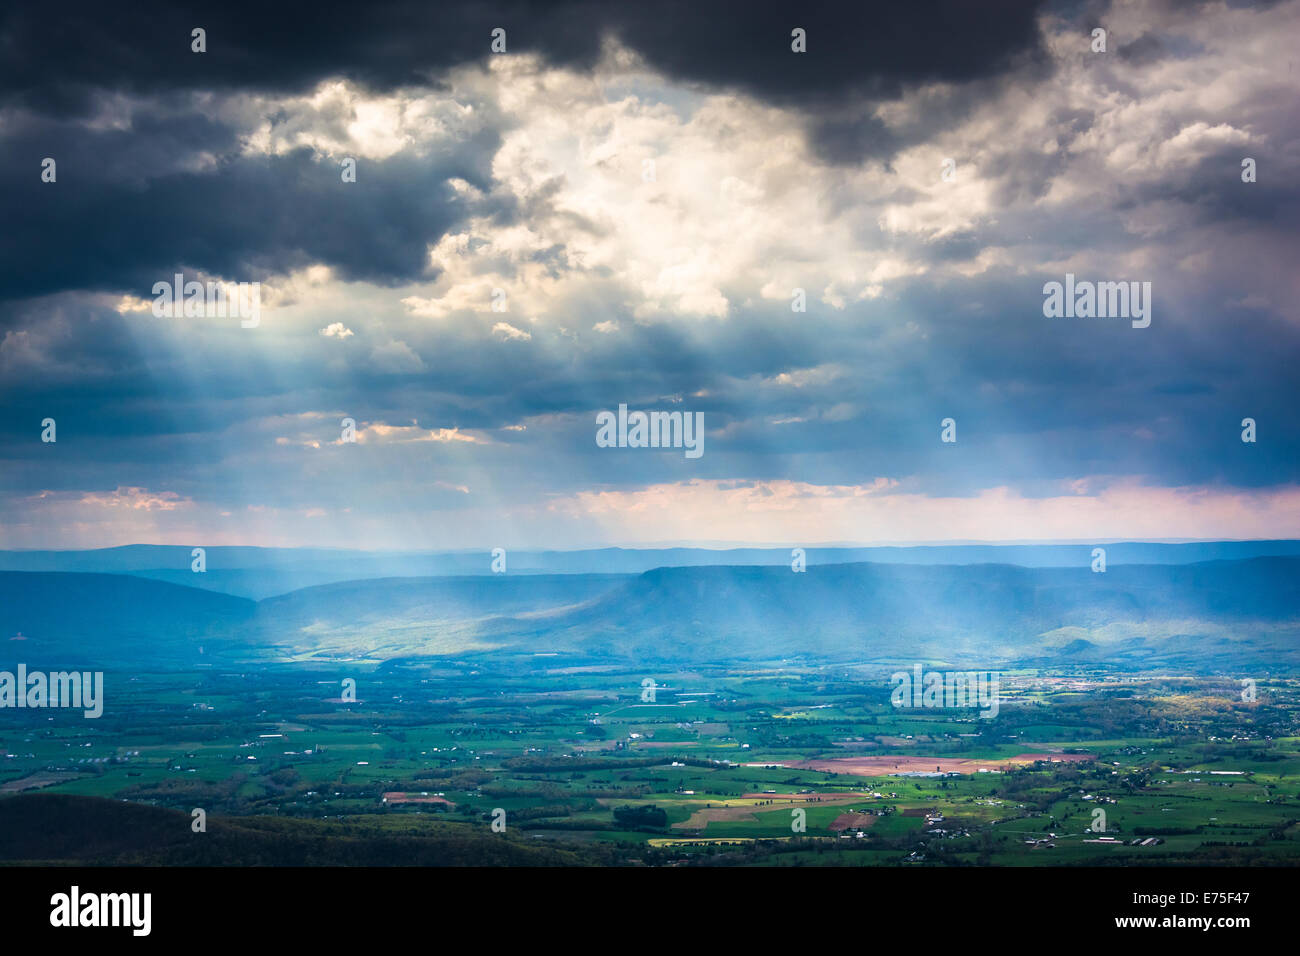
(617, 210)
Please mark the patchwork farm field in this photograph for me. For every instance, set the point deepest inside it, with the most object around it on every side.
(783, 764)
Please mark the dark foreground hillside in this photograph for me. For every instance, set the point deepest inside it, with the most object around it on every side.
(44, 829)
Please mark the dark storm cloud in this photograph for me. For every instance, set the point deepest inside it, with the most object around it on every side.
(247, 215)
(120, 217)
(1213, 189)
(853, 139)
(55, 60)
(156, 175)
(1143, 51)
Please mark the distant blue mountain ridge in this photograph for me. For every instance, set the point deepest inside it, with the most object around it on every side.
(1224, 615)
(264, 572)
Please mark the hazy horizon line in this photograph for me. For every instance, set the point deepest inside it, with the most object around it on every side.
(661, 546)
